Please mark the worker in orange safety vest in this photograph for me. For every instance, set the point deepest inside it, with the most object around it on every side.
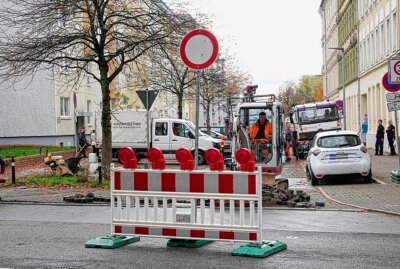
(261, 132)
(262, 129)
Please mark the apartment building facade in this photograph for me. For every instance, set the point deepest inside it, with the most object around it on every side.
(369, 34)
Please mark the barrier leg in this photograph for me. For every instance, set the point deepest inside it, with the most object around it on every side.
(257, 250)
(185, 243)
(114, 241)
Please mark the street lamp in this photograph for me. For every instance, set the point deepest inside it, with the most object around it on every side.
(343, 86)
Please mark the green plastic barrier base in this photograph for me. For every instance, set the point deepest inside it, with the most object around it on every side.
(184, 243)
(111, 241)
(395, 180)
(396, 173)
(257, 250)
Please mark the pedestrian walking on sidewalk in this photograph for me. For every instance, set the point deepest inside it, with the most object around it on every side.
(380, 136)
(391, 136)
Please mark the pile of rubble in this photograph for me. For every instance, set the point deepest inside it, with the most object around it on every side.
(279, 194)
(83, 199)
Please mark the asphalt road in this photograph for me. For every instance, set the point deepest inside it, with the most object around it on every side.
(39, 236)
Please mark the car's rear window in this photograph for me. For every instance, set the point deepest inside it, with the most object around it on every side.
(338, 141)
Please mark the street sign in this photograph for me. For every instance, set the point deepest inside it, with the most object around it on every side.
(388, 86)
(199, 49)
(392, 96)
(394, 71)
(339, 104)
(393, 106)
(152, 96)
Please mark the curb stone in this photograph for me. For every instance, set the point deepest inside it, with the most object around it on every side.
(356, 206)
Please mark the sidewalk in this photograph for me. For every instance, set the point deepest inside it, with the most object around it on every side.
(376, 197)
(383, 165)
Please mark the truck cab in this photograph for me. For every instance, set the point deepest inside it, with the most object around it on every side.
(312, 118)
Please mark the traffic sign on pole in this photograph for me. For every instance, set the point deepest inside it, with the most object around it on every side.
(147, 97)
(389, 86)
(394, 71)
(199, 49)
(393, 96)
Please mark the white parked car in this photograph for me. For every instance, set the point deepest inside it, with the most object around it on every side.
(338, 153)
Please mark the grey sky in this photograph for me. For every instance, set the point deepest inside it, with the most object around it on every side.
(274, 40)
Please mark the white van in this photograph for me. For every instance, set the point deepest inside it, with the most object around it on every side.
(129, 129)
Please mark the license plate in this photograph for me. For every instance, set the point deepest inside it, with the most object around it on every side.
(338, 156)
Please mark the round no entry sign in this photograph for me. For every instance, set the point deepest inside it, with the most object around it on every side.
(199, 49)
(388, 86)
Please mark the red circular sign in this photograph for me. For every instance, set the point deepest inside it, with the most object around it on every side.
(199, 49)
(397, 68)
(389, 87)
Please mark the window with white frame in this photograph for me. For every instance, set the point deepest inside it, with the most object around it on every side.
(64, 106)
(372, 48)
(388, 36)
(382, 38)
(365, 55)
(361, 56)
(88, 109)
(368, 52)
(394, 30)
(377, 45)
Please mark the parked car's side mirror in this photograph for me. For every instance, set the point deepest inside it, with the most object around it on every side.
(191, 135)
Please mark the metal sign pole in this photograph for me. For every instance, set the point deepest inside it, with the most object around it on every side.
(196, 141)
(397, 135)
(147, 119)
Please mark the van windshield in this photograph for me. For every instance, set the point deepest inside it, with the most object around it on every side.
(192, 127)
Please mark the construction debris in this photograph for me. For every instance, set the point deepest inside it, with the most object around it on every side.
(88, 198)
(279, 194)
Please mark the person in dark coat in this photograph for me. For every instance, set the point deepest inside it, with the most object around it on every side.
(391, 136)
(83, 144)
(380, 136)
(2, 167)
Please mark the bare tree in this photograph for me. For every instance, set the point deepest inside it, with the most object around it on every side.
(286, 94)
(73, 34)
(218, 82)
(170, 74)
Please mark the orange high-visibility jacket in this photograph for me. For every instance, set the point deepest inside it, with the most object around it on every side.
(267, 130)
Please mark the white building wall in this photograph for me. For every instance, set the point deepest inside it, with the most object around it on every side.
(27, 108)
(379, 39)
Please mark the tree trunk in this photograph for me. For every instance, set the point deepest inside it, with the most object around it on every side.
(208, 117)
(106, 153)
(180, 108)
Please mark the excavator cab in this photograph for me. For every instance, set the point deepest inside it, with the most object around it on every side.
(267, 151)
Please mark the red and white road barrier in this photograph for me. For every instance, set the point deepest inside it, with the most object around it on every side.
(145, 200)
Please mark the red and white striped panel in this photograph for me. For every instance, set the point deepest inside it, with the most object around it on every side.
(186, 233)
(185, 181)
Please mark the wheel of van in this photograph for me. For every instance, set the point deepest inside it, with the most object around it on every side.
(201, 160)
(308, 173)
(314, 180)
(368, 179)
(301, 155)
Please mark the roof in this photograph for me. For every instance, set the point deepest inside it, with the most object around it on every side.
(332, 133)
(317, 104)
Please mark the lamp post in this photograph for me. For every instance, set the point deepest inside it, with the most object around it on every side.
(343, 86)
